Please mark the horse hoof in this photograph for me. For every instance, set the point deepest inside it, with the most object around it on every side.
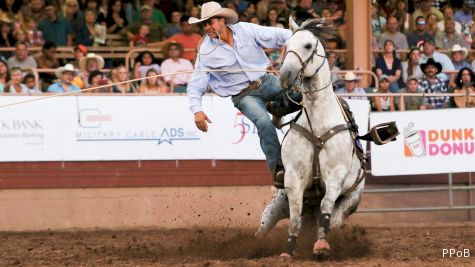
(321, 249)
(286, 255)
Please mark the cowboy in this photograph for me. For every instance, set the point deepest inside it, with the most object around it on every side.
(350, 87)
(432, 84)
(231, 45)
(65, 75)
(458, 55)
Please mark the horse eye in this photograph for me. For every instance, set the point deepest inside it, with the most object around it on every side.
(308, 46)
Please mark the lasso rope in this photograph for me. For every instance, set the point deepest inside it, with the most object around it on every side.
(130, 81)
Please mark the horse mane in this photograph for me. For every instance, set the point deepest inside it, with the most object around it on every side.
(324, 32)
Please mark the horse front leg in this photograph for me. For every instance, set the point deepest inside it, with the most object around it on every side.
(275, 211)
(295, 191)
(333, 190)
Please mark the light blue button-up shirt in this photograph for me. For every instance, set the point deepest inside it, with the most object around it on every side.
(57, 87)
(247, 53)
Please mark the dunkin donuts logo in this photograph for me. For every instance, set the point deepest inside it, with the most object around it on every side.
(440, 142)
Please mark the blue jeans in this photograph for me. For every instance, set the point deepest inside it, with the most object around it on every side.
(252, 105)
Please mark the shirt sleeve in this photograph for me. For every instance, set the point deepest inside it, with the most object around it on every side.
(197, 88)
(269, 37)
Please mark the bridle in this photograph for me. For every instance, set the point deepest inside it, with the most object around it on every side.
(300, 77)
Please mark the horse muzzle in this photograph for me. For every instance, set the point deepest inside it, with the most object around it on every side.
(287, 77)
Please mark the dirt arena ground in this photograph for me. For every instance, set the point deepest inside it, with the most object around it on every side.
(413, 245)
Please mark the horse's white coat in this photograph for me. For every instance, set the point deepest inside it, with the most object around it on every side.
(339, 165)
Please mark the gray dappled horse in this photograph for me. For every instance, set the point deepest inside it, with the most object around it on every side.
(319, 151)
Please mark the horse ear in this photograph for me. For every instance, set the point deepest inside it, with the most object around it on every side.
(292, 24)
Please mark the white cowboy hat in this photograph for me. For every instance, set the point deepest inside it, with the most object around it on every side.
(350, 77)
(68, 67)
(213, 9)
(83, 60)
(458, 48)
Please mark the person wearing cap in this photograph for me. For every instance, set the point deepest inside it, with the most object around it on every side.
(231, 45)
(65, 75)
(410, 102)
(79, 52)
(55, 27)
(350, 87)
(419, 34)
(428, 51)
(432, 84)
(156, 31)
(383, 103)
(175, 63)
(157, 15)
(449, 37)
(459, 55)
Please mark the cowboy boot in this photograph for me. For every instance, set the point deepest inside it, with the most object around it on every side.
(278, 175)
(280, 108)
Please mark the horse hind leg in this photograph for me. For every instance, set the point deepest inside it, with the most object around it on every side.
(345, 207)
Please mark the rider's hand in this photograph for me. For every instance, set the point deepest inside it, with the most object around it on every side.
(200, 121)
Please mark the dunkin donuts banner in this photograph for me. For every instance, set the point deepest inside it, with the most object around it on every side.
(430, 141)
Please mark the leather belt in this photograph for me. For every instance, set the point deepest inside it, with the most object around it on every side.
(251, 87)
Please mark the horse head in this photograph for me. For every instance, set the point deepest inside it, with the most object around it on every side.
(305, 53)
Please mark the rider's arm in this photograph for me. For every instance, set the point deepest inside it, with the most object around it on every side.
(197, 87)
(269, 37)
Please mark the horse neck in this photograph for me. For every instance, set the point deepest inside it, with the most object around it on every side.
(323, 109)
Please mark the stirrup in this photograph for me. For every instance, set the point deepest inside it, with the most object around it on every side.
(279, 179)
(382, 133)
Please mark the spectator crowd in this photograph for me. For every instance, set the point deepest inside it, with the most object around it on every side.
(424, 45)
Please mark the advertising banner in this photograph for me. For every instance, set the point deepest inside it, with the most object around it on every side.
(88, 128)
(431, 141)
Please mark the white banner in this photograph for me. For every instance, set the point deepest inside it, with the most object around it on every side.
(83, 128)
(431, 141)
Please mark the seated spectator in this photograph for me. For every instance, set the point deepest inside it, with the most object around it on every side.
(55, 27)
(416, 37)
(157, 16)
(448, 38)
(432, 84)
(332, 58)
(350, 87)
(90, 33)
(21, 36)
(383, 103)
(272, 19)
(411, 66)
(174, 63)
(336, 12)
(34, 11)
(47, 60)
(389, 65)
(392, 33)
(65, 75)
(464, 15)
(6, 35)
(458, 56)
(21, 58)
(88, 64)
(99, 7)
(143, 63)
(174, 25)
(35, 36)
(402, 15)
(30, 82)
(156, 31)
(411, 102)
(449, 12)
(464, 81)
(120, 74)
(4, 75)
(116, 18)
(425, 9)
(15, 85)
(304, 11)
(432, 22)
(9, 10)
(153, 84)
(188, 38)
(378, 22)
(96, 79)
(80, 51)
(141, 39)
(428, 51)
(72, 13)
